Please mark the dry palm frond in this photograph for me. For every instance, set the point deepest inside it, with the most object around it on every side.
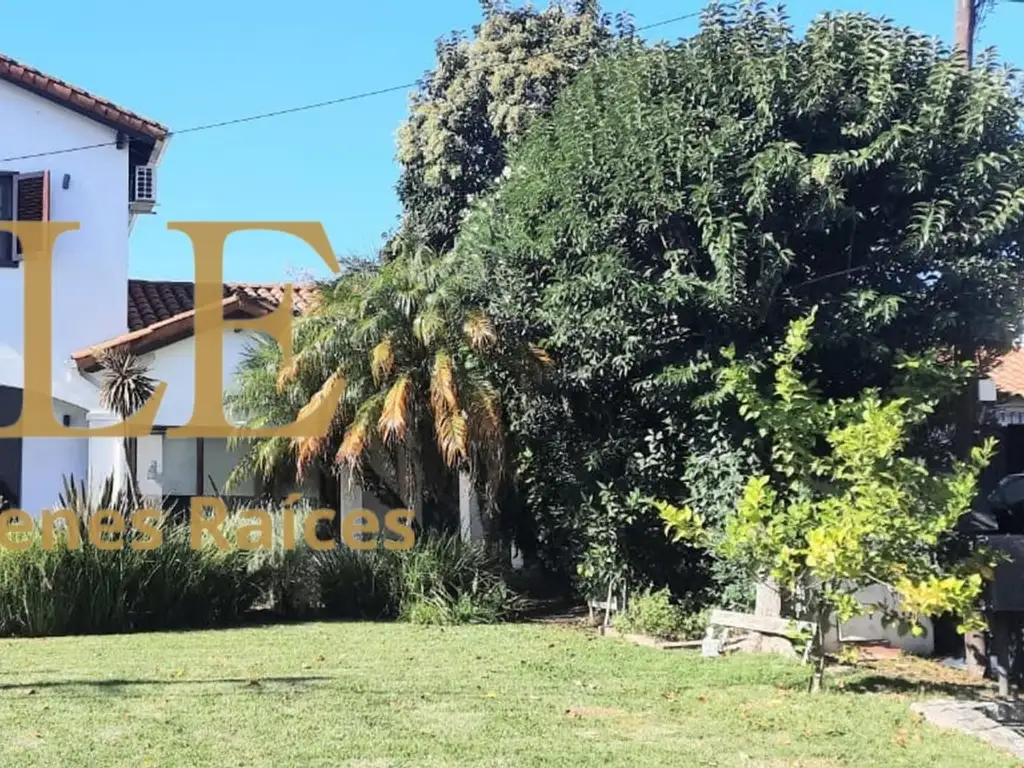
(452, 438)
(382, 360)
(306, 449)
(333, 387)
(486, 408)
(394, 415)
(479, 330)
(353, 444)
(289, 372)
(357, 436)
(540, 355)
(443, 395)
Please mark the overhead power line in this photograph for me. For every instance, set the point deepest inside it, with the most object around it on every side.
(293, 110)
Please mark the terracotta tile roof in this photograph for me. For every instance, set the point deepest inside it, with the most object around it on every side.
(161, 312)
(153, 301)
(79, 99)
(1008, 373)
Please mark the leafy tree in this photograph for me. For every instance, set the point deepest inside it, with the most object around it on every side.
(843, 504)
(681, 198)
(484, 93)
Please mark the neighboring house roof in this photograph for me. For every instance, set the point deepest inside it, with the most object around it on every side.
(161, 312)
(80, 100)
(1008, 373)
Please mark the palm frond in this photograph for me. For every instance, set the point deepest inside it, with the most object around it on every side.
(334, 383)
(427, 325)
(539, 354)
(452, 438)
(288, 373)
(358, 433)
(382, 360)
(480, 331)
(394, 415)
(443, 395)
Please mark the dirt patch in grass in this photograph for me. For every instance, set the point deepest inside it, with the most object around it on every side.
(914, 676)
(581, 712)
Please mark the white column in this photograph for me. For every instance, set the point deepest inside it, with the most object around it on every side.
(471, 522)
(106, 455)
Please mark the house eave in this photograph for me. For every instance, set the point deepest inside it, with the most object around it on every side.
(163, 333)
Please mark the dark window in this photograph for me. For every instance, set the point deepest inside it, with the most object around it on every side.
(8, 190)
(23, 197)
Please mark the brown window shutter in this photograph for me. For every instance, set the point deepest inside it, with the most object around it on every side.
(33, 197)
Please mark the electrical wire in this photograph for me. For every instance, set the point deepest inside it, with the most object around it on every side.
(294, 110)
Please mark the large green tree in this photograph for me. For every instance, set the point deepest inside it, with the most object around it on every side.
(480, 99)
(682, 198)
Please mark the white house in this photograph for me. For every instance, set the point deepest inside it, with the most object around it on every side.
(69, 155)
(47, 173)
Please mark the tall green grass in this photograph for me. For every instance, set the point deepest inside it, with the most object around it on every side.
(441, 580)
(88, 590)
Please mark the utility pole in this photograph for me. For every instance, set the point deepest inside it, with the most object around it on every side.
(975, 646)
(966, 21)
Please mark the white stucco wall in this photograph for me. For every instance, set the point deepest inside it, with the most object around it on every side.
(90, 269)
(90, 266)
(175, 365)
(46, 460)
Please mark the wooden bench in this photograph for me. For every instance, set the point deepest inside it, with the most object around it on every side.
(766, 625)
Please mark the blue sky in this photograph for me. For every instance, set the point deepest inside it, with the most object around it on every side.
(188, 62)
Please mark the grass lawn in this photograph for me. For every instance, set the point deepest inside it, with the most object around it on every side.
(393, 694)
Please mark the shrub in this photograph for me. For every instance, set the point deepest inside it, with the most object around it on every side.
(463, 581)
(653, 613)
(442, 580)
(85, 590)
(357, 585)
(286, 578)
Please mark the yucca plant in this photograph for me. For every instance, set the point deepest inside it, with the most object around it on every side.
(124, 389)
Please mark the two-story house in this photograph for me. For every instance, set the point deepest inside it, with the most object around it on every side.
(65, 155)
(69, 155)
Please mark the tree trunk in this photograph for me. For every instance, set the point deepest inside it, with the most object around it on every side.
(131, 481)
(976, 654)
(768, 599)
(817, 684)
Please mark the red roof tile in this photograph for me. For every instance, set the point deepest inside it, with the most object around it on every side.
(79, 99)
(152, 301)
(1008, 373)
(161, 312)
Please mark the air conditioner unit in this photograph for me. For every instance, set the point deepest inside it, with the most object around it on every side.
(144, 189)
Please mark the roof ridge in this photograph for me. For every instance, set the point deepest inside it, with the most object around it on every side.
(254, 284)
(75, 97)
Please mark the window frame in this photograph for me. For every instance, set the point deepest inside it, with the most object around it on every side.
(10, 260)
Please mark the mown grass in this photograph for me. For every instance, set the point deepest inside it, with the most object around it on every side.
(365, 694)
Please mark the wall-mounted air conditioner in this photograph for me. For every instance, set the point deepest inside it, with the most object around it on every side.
(143, 189)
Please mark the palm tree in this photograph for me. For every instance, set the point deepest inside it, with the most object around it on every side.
(413, 357)
(125, 388)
